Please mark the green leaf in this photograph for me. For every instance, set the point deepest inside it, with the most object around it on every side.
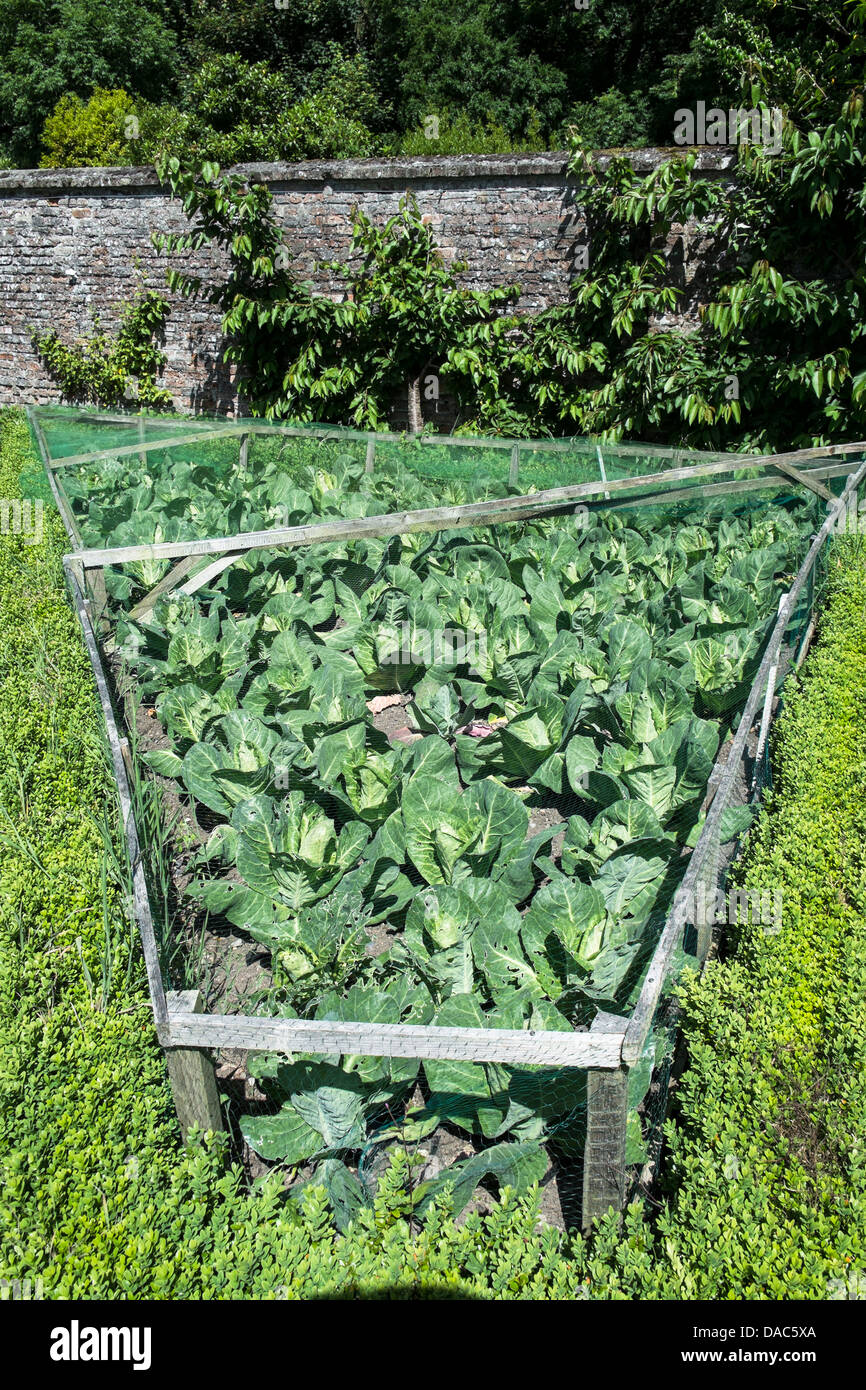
(439, 824)
(565, 924)
(164, 763)
(581, 758)
(512, 1165)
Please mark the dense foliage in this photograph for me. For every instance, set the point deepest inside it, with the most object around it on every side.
(588, 669)
(306, 355)
(118, 371)
(516, 74)
(98, 1199)
(767, 1188)
(50, 49)
(103, 130)
(775, 358)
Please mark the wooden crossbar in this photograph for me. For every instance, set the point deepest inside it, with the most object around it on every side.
(140, 900)
(57, 492)
(521, 1047)
(804, 480)
(501, 509)
(146, 446)
(169, 581)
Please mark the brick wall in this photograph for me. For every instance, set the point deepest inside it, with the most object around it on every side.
(70, 241)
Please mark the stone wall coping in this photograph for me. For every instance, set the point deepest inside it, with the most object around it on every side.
(553, 164)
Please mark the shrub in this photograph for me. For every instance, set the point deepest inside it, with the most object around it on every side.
(612, 121)
(52, 47)
(233, 111)
(455, 133)
(100, 131)
(112, 372)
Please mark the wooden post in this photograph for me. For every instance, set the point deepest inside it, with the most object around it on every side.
(705, 907)
(416, 419)
(602, 471)
(371, 454)
(98, 595)
(852, 519)
(604, 1149)
(515, 465)
(769, 697)
(245, 451)
(191, 1073)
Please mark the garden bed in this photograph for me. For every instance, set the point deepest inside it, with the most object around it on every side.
(509, 811)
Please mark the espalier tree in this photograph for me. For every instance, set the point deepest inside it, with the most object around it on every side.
(118, 371)
(313, 357)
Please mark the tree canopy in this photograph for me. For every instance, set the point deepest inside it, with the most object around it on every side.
(283, 78)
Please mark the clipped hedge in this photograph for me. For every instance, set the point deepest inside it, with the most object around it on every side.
(98, 1197)
(768, 1160)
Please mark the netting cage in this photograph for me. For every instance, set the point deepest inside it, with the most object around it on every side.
(434, 755)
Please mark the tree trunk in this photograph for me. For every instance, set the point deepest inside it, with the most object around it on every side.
(414, 404)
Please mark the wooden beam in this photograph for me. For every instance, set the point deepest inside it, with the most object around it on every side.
(166, 584)
(806, 643)
(209, 572)
(569, 444)
(729, 489)
(605, 1142)
(103, 417)
(514, 466)
(58, 493)
(95, 581)
(288, 1035)
(769, 697)
(804, 480)
(170, 442)
(502, 509)
(68, 513)
(140, 902)
(601, 468)
(191, 1073)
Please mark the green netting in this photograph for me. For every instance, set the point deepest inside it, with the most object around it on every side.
(369, 817)
(69, 431)
(145, 479)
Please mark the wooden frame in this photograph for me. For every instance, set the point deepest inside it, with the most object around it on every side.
(613, 1045)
